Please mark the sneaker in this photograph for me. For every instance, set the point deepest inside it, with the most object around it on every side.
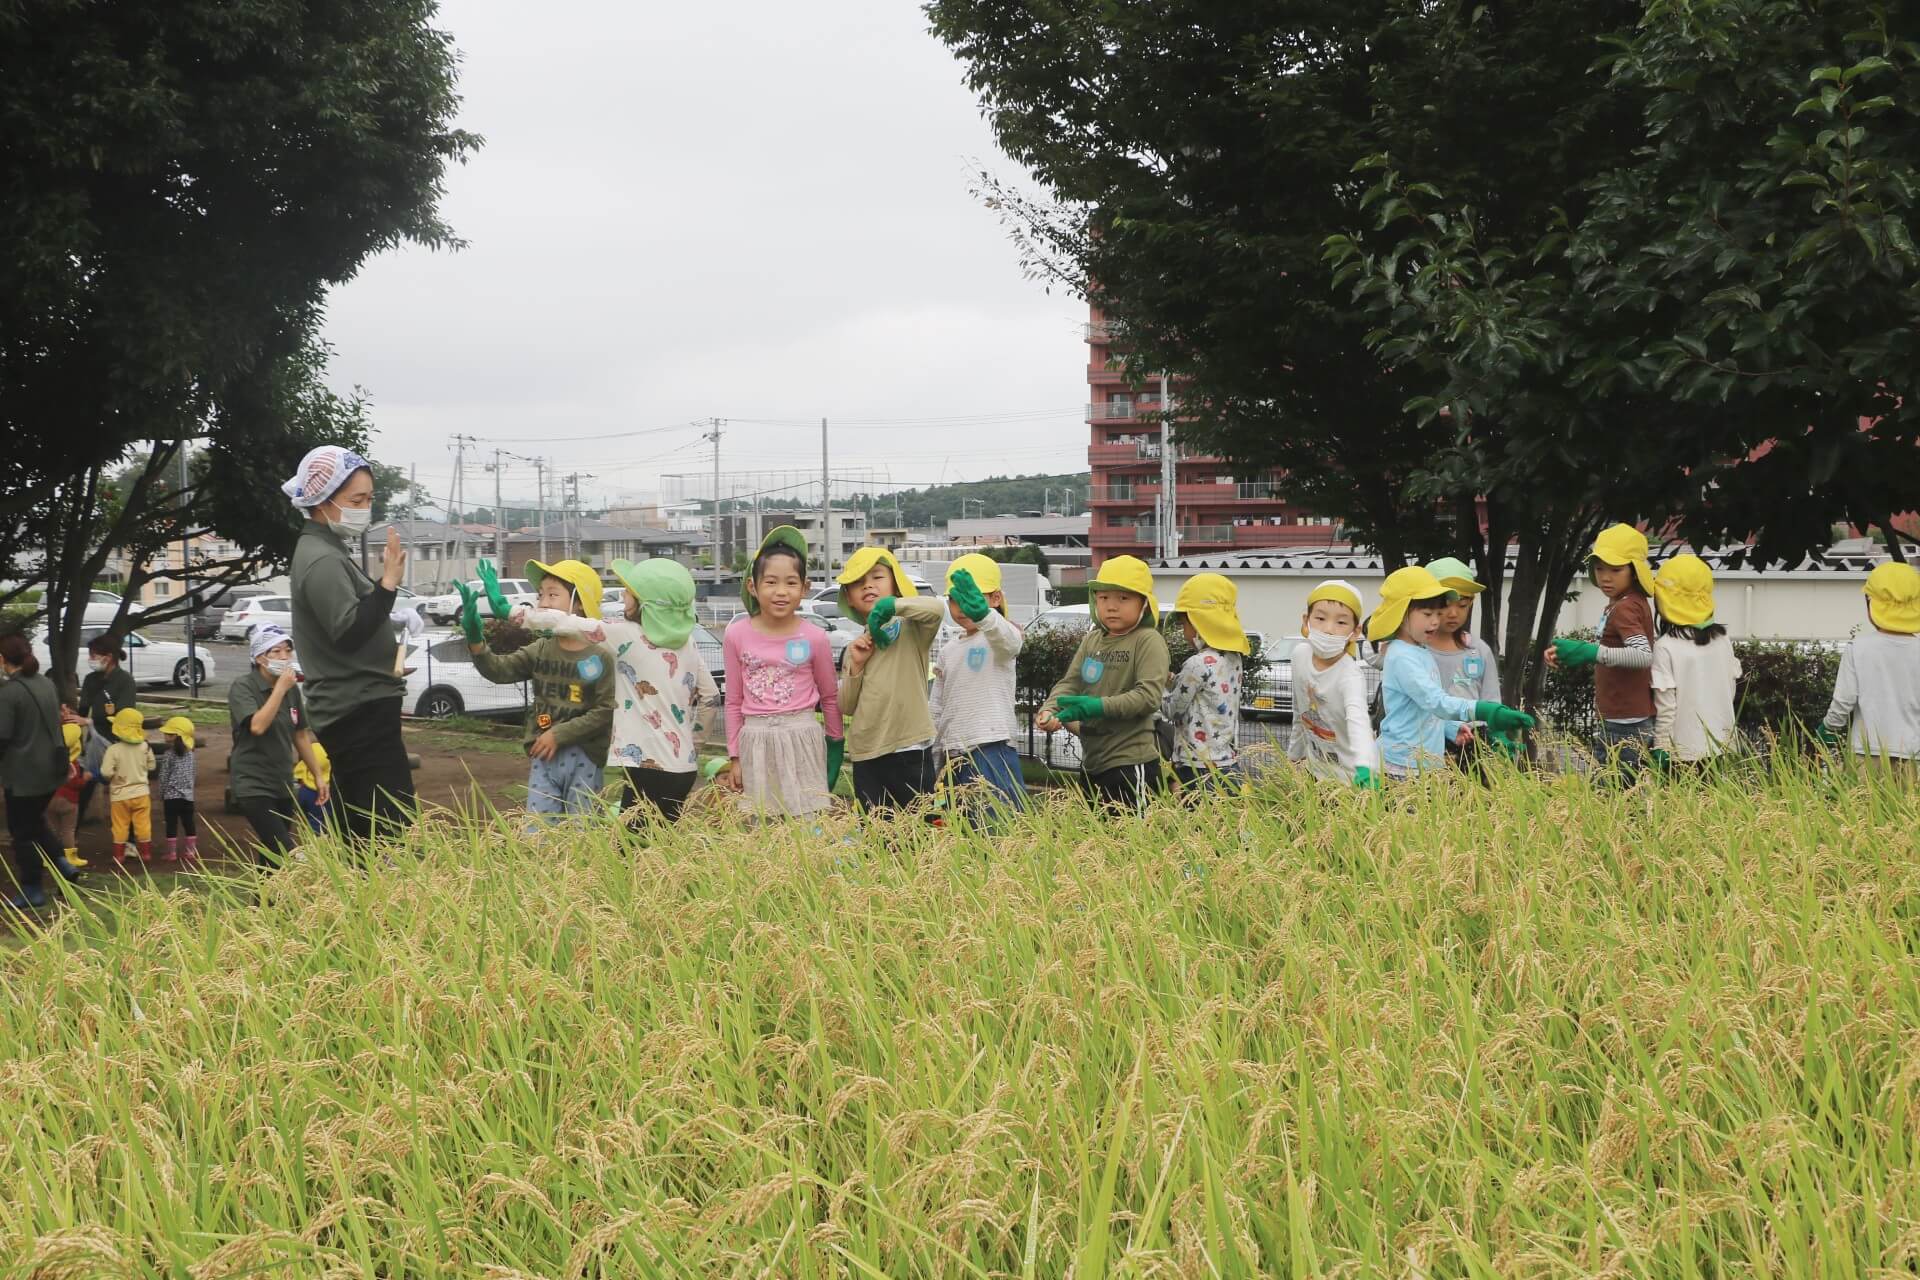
(28, 900)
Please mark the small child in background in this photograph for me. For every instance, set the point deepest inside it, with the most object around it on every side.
(1695, 671)
(1332, 730)
(1420, 715)
(972, 702)
(1113, 687)
(126, 767)
(661, 685)
(63, 811)
(175, 770)
(306, 787)
(779, 668)
(1623, 657)
(1467, 666)
(1876, 695)
(570, 715)
(884, 686)
(1203, 704)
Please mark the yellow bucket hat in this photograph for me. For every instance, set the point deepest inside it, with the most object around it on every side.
(1340, 593)
(1127, 573)
(1455, 576)
(1402, 588)
(1684, 590)
(71, 732)
(985, 571)
(180, 727)
(1893, 598)
(1623, 544)
(781, 536)
(576, 574)
(861, 563)
(129, 725)
(1210, 602)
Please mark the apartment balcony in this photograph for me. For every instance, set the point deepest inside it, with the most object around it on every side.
(1123, 410)
(1122, 495)
(1106, 373)
(1259, 491)
(1104, 331)
(1131, 537)
(1276, 535)
(1195, 536)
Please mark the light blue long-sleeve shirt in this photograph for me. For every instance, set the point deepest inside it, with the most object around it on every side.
(1421, 716)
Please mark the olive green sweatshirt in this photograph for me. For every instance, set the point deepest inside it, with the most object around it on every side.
(572, 691)
(888, 700)
(1129, 675)
(342, 629)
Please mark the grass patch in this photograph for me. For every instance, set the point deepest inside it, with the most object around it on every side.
(1527, 1029)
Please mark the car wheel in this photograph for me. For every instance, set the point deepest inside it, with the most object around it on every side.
(439, 703)
(180, 673)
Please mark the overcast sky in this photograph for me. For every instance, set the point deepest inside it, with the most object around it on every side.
(751, 210)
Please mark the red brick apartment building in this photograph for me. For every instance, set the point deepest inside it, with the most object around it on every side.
(1215, 509)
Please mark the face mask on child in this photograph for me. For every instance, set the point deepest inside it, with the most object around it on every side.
(1326, 645)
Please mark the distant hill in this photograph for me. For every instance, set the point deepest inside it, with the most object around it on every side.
(1000, 495)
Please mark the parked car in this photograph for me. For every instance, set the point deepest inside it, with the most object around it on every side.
(150, 662)
(103, 607)
(257, 611)
(825, 614)
(444, 608)
(207, 619)
(444, 682)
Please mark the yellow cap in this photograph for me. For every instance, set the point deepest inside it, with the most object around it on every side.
(1340, 593)
(1402, 588)
(985, 571)
(129, 725)
(1210, 602)
(1893, 598)
(180, 727)
(860, 564)
(1684, 590)
(576, 574)
(1127, 573)
(71, 732)
(1455, 576)
(1623, 544)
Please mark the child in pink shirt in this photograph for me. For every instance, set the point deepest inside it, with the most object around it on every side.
(779, 667)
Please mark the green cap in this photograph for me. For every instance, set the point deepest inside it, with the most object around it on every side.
(786, 534)
(664, 591)
(1455, 576)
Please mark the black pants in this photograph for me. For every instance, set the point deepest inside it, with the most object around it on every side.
(372, 781)
(1128, 786)
(272, 821)
(33, 841)
(666, 791)
(179, 813)
(892, 780)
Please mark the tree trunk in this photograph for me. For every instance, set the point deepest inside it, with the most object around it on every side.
(1894, 549)
(1490, 556)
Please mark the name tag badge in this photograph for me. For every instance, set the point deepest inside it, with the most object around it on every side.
(799, 652)
(1091, 670)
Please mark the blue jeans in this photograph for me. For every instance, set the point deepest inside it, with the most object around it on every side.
(568, 783)
(1631, 740)
(998, 765)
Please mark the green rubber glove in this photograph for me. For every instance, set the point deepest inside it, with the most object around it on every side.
(836, 757)
(1829, 737)
(1075, 706)
(714, 767)
(966, 593)
(1502, 719)
(1365, 778)
(1507, 745)
(1576, 653)
(877, 622)
(1662, 759)
(470, 614)
(490, 580)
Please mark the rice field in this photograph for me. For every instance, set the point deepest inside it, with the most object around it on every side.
(1533, 1030)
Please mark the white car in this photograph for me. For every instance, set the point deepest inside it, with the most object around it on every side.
(443, 609)
(257, 611)
(444, 681)
(103, 607)
(149, 662)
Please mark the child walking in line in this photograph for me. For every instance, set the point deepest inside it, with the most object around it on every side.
(1623, 658)
(661, 686)
(126, 768)
(307, 788)
(779, 668)
(1203, 704)
(1695, 670)
(1467, 666)
(972, 703)
(1113, 687)
(570, 715)
(884, 688)
(176, 776)
(1332, 730)
(1876, 695)
(1421, 716)
(63, 811)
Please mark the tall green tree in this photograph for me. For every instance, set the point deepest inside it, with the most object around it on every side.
(185, 181)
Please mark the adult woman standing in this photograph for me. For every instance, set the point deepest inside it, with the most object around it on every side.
(343, 621)
(107, 688)
(269, 733)
(33, 760)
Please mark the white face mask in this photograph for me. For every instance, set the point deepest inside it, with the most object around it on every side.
(1327, 645)
(277, 667)
(96, 664)
(353, 519)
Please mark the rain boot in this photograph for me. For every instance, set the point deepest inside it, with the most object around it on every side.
(73, 856)
(120, 852)
(146, 851)
(172, 852)
(67, 870)
(192, 851)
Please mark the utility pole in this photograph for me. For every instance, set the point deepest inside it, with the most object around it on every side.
(499, 514)
(459, 499)
(1169, 476)
(540, 475)
(826, 505)
(720, 560)
(413, 519)
(571, 517)
(186, 579)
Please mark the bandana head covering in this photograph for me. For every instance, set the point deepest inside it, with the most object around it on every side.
(1210, 602)
(267, 637)
(1893, 598)
(1684, 590)
(321, 474)
(1402, 588)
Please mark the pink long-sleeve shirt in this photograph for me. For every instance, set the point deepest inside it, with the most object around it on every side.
(773, 675)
